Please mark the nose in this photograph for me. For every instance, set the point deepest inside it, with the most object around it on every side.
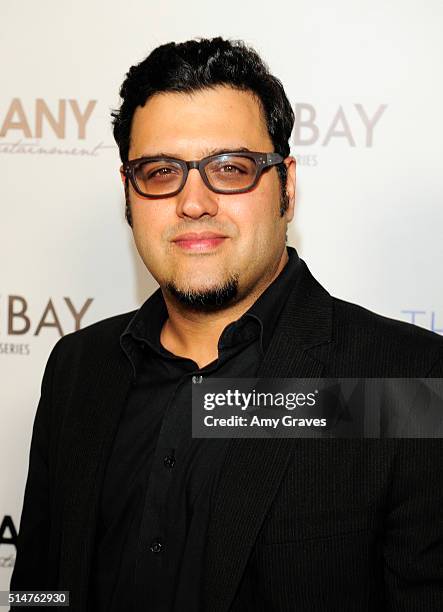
(196, 199)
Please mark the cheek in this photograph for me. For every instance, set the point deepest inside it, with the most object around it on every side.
(149, 216)
(148, 223)
(256, 213)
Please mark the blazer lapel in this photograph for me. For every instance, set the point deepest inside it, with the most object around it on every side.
(254, 468)
(88, 438)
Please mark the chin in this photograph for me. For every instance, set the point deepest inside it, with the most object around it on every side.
(203, 296)
(199, 280)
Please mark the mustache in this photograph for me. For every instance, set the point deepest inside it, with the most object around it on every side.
(227, 229)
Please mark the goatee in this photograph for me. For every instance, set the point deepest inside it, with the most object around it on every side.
(204, 300)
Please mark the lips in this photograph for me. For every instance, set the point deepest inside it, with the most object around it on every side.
(199, 241)
(198, 236)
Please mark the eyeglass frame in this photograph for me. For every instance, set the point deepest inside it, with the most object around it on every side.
(262, 161)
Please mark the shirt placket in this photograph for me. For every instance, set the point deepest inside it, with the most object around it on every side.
(155, 564)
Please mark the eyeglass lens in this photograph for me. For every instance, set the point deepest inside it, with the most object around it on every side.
(228, 173)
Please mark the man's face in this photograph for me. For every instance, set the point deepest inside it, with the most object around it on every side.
(251, 233)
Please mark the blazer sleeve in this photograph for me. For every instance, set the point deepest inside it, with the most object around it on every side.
(414, 543)
(30, 569)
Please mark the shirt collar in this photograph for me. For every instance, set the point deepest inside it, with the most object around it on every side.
(146, 324)
(267, 308)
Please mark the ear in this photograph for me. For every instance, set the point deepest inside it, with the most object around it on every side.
(122, 175)
(290, 163)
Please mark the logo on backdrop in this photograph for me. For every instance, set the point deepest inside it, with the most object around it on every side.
(32, 128)
(19, 324)
(355, 126)
(23, 126)
(8, 538)
(425, 318)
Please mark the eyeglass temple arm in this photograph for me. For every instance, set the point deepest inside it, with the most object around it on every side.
(273, 158)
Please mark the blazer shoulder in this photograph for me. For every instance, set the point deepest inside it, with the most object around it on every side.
(418, 350)
(103, 335)
(101, 330)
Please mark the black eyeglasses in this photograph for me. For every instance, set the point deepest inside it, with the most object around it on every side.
(233, 172)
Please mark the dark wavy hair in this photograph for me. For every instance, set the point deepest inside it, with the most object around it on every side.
(199, 64)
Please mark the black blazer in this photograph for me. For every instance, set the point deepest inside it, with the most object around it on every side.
(297, 524)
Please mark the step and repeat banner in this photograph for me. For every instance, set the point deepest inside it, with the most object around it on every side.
(365, 84)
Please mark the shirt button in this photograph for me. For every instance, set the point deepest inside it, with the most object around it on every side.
(156, 546)
(169, 461)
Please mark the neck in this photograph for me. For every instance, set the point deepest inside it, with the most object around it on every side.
(194, 334)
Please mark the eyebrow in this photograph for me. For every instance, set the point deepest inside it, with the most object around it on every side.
(208, 152)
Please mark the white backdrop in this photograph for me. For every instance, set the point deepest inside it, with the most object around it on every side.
(365, 81)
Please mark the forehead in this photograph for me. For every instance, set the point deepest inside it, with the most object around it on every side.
(190, 125)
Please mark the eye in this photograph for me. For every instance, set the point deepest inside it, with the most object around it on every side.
(156, 171)
(159, 172)
(230, 169)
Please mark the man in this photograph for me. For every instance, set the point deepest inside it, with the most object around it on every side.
(122, 506)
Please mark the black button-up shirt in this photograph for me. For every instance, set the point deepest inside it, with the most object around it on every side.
(158, 485)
